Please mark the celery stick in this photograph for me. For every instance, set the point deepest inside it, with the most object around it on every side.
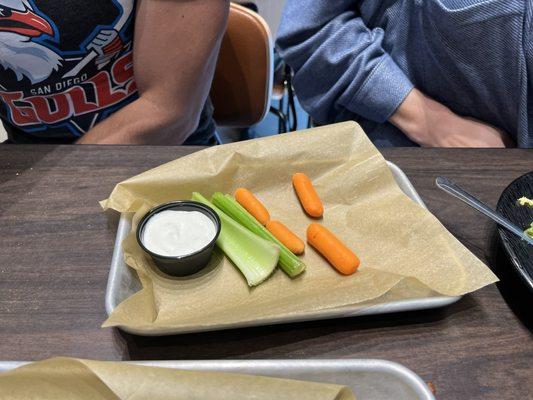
(529, 231)
(288, 261)
(255, 257)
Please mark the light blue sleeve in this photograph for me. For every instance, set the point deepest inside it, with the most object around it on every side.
(340, 66)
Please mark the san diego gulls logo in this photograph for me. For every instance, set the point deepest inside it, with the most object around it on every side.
(74, 89)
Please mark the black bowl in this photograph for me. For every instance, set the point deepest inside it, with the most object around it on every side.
(518, 250)
(190, 263)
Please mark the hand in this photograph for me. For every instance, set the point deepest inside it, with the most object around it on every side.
(431, 124)
(107, 44)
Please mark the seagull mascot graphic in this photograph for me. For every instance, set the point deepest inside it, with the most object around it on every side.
(20, 23)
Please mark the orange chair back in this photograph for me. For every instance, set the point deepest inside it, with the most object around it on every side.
(242, 84)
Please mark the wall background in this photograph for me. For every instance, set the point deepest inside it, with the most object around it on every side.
(270, 10)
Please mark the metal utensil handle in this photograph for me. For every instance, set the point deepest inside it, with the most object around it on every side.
(461, 194)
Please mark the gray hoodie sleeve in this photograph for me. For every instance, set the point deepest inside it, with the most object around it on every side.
(340, 66)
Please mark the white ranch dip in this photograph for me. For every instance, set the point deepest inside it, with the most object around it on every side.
(178, 233)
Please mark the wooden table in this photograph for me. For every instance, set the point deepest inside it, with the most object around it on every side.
(56, 245)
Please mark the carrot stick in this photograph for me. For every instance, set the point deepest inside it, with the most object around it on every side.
(307, 195)
(326, 243)
(246, 199)
(285, 236)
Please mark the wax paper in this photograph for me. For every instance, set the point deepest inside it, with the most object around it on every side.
(396, 239)
(66, 378)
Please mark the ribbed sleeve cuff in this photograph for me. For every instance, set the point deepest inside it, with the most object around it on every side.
(382, 92)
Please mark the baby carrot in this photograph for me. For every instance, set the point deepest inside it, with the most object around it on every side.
(326, 243)
(246, 199)
(307, 195)
(285, 236)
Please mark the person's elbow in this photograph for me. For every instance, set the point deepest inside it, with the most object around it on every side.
(167, 122)
(285, 39)
(176, 126)
(289, 44)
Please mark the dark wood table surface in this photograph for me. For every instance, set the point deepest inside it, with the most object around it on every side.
(56, 246)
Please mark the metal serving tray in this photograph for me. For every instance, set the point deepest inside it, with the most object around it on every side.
(123, 282)
(368, 379)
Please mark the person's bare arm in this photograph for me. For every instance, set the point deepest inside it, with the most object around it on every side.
(175, 51)
(431, 124)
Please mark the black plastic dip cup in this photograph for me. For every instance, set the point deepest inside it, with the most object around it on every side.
(190, 263)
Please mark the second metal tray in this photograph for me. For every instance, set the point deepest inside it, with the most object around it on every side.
(368, 379)
(123, 282)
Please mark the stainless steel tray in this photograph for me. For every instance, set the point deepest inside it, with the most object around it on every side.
(123, 282)
(369, 379)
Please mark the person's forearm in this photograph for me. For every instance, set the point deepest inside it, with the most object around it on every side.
(415, 113)
(430, 123)
(142, 122)
(174, 65)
